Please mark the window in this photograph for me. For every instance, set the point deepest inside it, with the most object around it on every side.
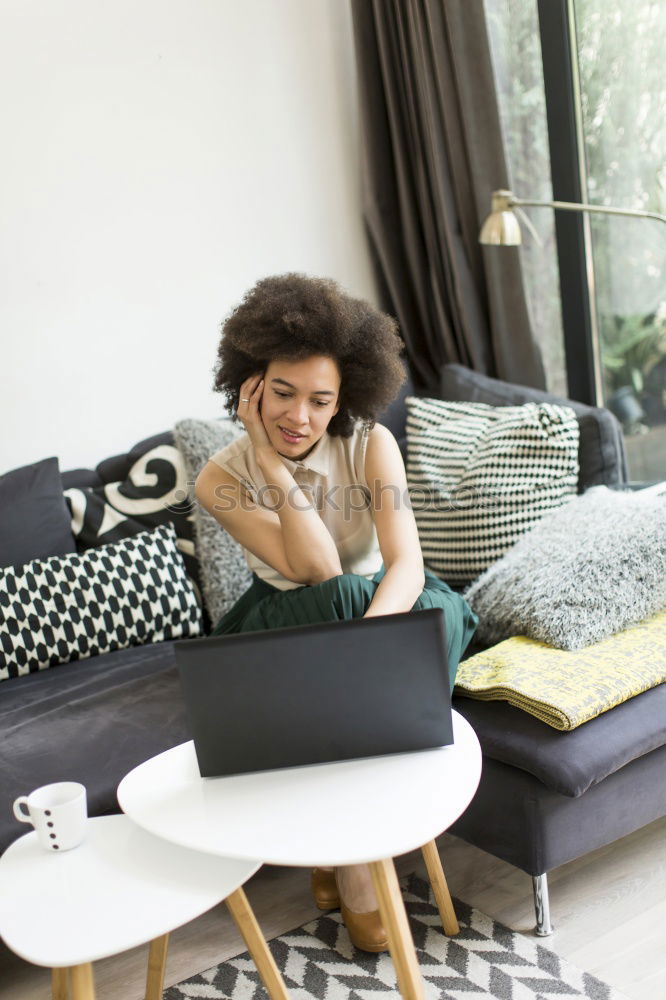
(623, 106)
(607, 146)
(513, 30)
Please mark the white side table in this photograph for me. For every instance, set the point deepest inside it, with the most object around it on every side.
(120, 888)
(343, 813)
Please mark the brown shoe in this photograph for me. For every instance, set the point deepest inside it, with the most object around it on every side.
(366, 930)
(324, 889)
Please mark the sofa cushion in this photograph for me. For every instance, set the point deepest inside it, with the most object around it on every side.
(87, 721)
(480, 476)
(569, 762)
(584, 572)
(34, 520)
(601, 456)
(77, 606)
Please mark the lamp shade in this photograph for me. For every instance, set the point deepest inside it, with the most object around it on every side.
(501, 227)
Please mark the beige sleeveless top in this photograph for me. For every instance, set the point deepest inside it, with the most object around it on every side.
(332, 477)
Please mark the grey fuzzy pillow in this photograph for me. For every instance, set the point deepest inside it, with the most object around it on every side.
(223, 570)
(592, 568)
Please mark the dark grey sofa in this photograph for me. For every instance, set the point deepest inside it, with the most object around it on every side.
(545, 797)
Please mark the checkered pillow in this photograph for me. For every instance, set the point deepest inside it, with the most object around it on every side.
(481, 476)
(74, 606)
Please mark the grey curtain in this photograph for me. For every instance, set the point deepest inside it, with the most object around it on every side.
(432, 153)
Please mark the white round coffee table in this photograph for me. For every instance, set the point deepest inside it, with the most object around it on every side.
(342, 813)
(120, 888)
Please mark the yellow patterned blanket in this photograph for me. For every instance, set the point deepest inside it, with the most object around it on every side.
(565, 688)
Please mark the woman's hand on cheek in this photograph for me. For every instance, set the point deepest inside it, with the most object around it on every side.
(249, 412)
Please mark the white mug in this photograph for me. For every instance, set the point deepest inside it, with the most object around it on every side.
(58, 813)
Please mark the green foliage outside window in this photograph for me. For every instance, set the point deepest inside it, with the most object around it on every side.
(634, 346)
(623, 97)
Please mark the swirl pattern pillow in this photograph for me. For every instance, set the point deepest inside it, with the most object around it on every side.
(74, 606)
(139, 491)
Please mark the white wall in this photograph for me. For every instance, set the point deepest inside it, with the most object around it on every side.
(158, 156)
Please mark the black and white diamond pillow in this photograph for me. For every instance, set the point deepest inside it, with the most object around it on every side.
(74, 606)
(481, 476)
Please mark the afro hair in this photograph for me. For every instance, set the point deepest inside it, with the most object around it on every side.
(291, 317)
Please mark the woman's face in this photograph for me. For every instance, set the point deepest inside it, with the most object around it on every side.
(299, 400)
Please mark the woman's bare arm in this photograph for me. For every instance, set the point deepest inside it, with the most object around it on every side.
(396, 527)
(293, 540)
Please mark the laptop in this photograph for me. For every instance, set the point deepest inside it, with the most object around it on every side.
(316, 693)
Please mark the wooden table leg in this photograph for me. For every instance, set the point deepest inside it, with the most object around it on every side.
(246, 922)
(83, 987)
(394, 918)
(157, 957)
(60, 984)
(440, 888)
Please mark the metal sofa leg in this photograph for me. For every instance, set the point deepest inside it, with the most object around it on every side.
(541, 905)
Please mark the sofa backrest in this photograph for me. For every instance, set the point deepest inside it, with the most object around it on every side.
(601, 455)
(395, 417)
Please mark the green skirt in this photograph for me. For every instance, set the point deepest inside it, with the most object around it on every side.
(346, 596)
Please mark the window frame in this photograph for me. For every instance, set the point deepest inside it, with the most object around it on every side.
(572, 229)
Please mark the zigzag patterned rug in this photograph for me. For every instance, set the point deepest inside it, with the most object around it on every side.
(318, 962)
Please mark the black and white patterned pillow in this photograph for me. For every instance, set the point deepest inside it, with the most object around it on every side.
(481, 476)
(74, 606)
(142, 490)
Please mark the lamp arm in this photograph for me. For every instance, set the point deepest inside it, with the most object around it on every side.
(528, 222)
(573, 206)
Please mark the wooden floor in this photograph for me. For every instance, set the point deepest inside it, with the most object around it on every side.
(608, 908)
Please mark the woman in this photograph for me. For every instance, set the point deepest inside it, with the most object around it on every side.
(316, 493)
